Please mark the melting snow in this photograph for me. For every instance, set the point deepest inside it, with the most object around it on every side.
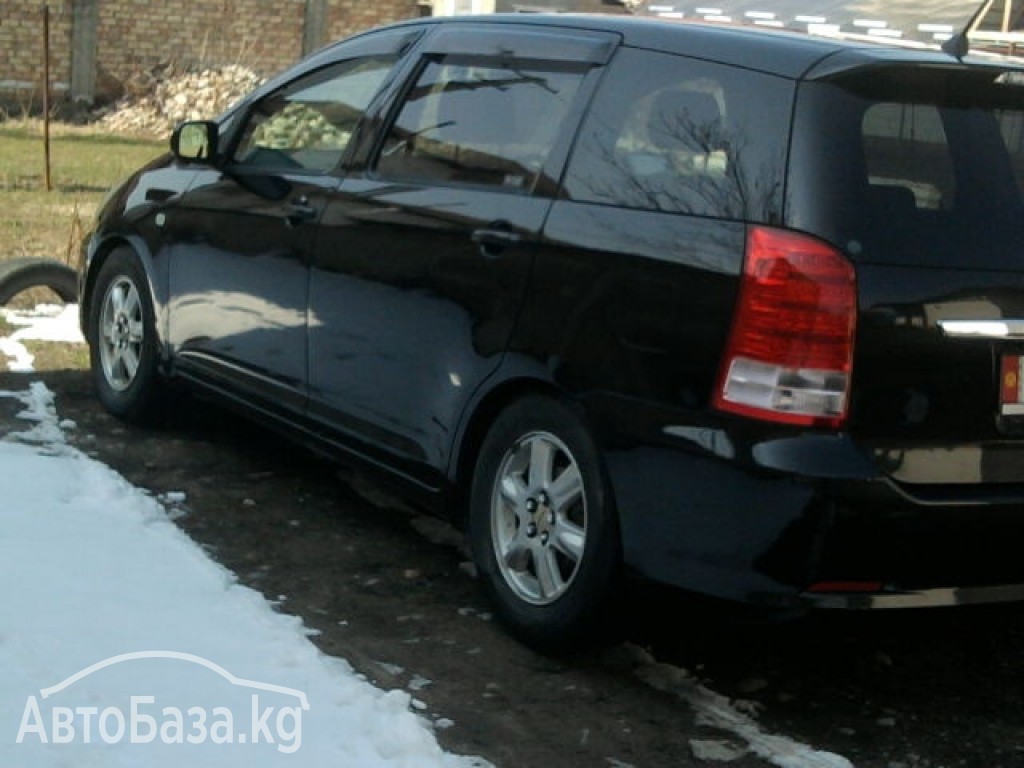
(97, 574)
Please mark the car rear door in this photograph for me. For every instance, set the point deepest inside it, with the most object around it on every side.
(425, 252)
(917, 174)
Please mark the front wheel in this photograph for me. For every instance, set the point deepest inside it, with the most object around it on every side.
(122, 339)
(542, 525)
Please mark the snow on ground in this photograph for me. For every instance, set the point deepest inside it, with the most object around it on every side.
(48, 322)
(123, 644)
(735, 717)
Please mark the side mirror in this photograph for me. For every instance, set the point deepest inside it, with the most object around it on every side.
(195, 141)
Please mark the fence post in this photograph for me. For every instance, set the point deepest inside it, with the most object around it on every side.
(48, 179)
(84, 25)
(314, 26)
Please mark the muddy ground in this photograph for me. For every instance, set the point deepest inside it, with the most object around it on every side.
(392, 592)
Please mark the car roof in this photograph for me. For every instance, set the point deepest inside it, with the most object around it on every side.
(781, 52)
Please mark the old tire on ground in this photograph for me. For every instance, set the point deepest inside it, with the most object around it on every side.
(122, 339)
(19, 275)
(543, 528)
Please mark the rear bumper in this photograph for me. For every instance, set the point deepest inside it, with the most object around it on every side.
(781, 521)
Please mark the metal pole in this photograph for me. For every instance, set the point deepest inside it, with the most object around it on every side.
(46, 94)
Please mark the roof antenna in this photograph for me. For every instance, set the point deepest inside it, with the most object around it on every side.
(958, 45)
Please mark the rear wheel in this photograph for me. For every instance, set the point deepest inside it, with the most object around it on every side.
(122, 339)
(542, 527)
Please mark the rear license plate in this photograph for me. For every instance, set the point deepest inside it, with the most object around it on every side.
(1011, 386)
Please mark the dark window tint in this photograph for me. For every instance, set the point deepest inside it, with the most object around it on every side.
(1011, 128)
(488, 123)
(308, 125)
(667, 133)
(905, 147)
(912, 166)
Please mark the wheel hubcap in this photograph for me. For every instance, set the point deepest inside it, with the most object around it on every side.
(121, 333)
(539, 518)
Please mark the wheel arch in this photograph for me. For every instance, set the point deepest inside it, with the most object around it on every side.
(481, 416)
(576, 613)
(99, 253)
(474, 430)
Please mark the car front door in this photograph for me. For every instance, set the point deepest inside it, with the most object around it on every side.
(425, 255)
(243, 233)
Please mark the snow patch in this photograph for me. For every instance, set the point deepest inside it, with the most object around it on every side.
(40, 409)
(47, 322)
(418, 683)
(717, 711)
(101, 572)
(716, 751)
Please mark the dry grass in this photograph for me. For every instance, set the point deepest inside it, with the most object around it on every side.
(84, 165)
(58, 355)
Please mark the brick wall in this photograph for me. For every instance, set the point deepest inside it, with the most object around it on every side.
(21, 44)
(345, 17)
(137, 35)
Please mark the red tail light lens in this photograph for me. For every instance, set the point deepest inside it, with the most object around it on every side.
(790, 351)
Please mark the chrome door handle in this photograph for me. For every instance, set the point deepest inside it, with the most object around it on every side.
(300, 211)
(493, 242)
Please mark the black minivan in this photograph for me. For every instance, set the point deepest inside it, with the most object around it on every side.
(738, 310)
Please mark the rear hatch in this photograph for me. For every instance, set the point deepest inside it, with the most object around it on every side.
(915, 170)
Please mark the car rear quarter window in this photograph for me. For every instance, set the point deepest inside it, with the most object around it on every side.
(478, 121)
(669, 133)
(307, 126)
(912, 166)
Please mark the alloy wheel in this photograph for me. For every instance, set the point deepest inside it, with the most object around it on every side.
(539, 518)
(121, 333)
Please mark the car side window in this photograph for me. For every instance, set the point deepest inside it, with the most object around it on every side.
(479, 122)
(667, 133)
(307, 125)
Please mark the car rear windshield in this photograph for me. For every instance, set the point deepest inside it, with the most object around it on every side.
(916, 166)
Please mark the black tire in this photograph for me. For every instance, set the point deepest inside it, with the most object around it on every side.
(543, 528)
(123, 348)
(19, 275)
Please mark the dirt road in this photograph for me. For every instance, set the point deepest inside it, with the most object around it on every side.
(392, 592)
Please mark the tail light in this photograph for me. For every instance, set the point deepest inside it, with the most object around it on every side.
(790, 351)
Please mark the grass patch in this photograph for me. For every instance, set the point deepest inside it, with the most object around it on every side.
(58, 355)
(85, 164)
(50, 355)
